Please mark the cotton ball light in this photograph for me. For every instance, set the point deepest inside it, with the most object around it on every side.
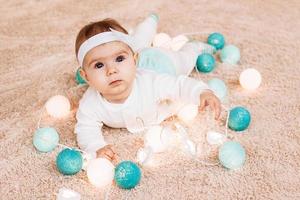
(78, 78)
(67, 194)
(162, 40)
(158, 138)
(230, 54)
(239, 119)
(127, 175)
(45, 139)
(178, 42)
(189, 147)
(232, 155)
(217, 40)
(213, 138)
(69, 161)
(144, 155)
(218, 87)
(58, 106)
(188, 112)
(100, 172)
(250, 79)
(205, 63)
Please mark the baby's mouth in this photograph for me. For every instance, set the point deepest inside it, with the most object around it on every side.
(115, 82)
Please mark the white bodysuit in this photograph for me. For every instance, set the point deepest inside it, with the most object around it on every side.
(142, 106)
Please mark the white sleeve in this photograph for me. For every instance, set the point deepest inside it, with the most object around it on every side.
(88, 129)
(181, 88)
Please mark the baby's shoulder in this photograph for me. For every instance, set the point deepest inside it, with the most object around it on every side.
(89, 96)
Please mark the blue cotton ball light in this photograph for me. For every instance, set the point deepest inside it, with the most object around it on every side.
(217, 40)
(232, 155)
(45, 139)
(69, 161)
(239, 119)
(218, 87)
(78, 78)
(127, 175)
(230, 54)
(205, 63)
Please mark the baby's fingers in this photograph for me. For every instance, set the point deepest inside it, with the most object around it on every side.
(217, 110)
(202, 104)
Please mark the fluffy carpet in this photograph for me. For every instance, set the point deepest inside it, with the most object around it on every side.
(38, 61)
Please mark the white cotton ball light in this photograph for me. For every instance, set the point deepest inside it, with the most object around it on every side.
(58, 106)
(162, 40)
(67, 194)
(213, 138)
(190, 147)
(188, 112)
(159, 138)
(178, 42)
(144, 155)
(100, 172)
(250, 79)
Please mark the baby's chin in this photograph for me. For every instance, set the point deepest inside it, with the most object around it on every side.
(118, 92)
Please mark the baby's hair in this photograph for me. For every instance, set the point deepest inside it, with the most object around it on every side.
(95, 28)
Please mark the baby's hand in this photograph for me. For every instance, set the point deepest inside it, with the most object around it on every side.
(107, 152)
(207, 98)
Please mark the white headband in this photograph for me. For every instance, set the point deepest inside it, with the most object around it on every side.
(102, 38)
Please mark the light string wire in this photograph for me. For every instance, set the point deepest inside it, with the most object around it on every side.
(140, 121)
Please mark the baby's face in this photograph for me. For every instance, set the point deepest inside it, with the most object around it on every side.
(110, 68)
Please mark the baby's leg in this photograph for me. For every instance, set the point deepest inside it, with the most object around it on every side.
(180, 62)
(185, 59)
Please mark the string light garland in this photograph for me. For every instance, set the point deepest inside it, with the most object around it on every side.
(157, 138)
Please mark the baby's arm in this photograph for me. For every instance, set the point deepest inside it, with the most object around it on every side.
(181, 88)
(186, 89)
(89, 134)
(88, 130)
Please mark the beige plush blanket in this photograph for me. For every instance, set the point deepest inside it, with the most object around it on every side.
(37, 61)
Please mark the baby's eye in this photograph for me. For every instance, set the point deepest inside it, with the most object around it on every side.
(99, 65)
(120, 58)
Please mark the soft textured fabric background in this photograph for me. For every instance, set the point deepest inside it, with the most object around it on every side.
(37, 61)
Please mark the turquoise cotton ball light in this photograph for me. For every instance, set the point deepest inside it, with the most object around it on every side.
(218, 87)
(127, 175)
(217, 40)
(69, 161)
(205, 63)
(45, 139)
(78, 77)
(239, 119)
(232, 155)
(230, 54)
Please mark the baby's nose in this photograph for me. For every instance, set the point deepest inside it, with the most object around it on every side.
(111, 70)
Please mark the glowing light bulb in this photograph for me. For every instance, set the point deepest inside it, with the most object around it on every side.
(250, 79)
(67, 194)
(58, 106)
(188, 112)
(100, 172)
(159, 138)
(190, 147)
(144, 154)
(213, 137)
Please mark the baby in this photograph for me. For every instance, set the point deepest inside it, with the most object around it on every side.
(123, 90)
